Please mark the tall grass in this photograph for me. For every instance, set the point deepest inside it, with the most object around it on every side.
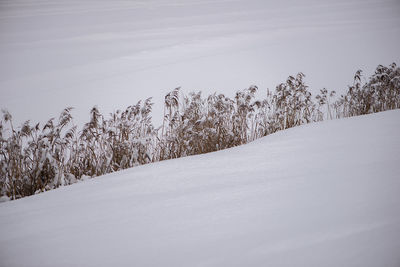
(36, 158)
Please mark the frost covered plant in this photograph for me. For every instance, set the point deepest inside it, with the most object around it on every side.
(195, 125)
(380, 93)
(168, 145)
(130, 136)
(34, 159)
(93, 151)
(323, 100)
(125, 140)
(293, 103)
(219, 122)
(245, 107)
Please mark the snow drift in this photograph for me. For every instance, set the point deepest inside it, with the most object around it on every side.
(323, 194)
(62, 53)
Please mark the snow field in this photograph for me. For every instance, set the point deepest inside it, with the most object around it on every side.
(323, 194)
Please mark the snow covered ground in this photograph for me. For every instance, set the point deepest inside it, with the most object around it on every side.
(63, 53)
(324, 194)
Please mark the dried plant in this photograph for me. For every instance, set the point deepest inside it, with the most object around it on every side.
(34, 159)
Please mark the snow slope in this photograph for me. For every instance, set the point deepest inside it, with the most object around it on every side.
(82, 53)
(324, 194)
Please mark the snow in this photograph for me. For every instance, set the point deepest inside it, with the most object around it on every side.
(63, 53)
(323, 194)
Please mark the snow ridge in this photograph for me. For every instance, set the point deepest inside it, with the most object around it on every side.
(322, 194)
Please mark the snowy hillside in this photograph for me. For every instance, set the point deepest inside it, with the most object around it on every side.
(323, 194)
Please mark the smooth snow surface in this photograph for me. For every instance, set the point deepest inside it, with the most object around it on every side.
(325, 194)
(83, 53)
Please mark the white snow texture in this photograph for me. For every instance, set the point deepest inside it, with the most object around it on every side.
(61, 53)
(323, 194)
